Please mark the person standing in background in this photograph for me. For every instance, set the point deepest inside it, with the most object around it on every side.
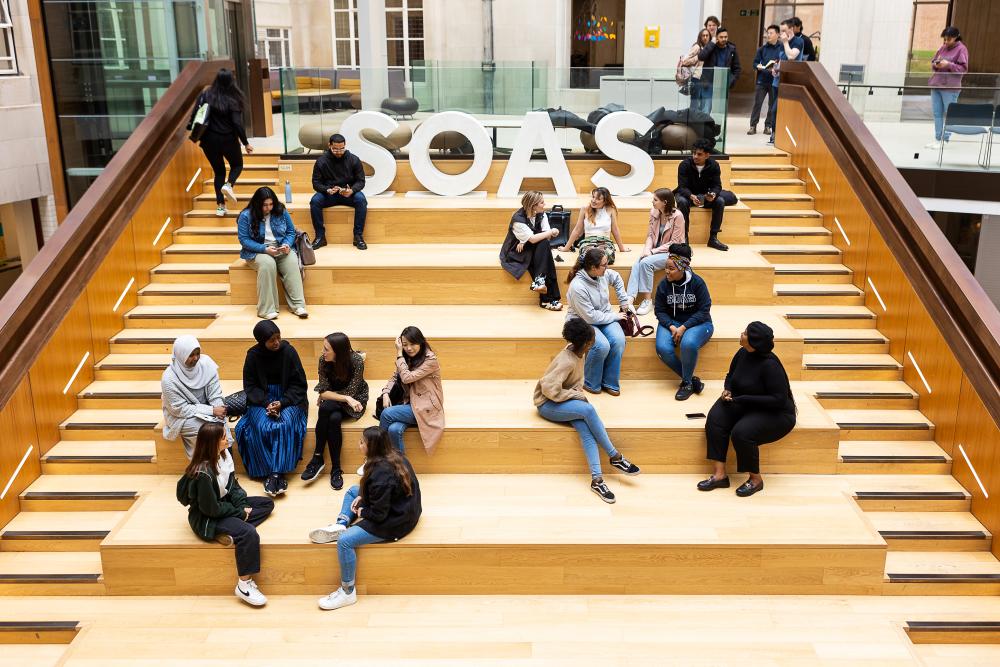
(791, 49)
(949, 64)
(718, 53)
(808, 49)
(763, 64)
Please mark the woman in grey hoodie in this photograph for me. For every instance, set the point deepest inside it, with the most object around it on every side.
(588, 300)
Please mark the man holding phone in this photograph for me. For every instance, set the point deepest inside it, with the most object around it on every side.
(338, 179)
(699, 183)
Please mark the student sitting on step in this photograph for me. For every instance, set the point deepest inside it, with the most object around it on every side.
(527, 248)
(699, 183)
(383, 507)
(192, 393)
(588, 300)
(596, 225)
(219, 509)
(666, 226)
(338, 179)
(417, 386)
(270, 434)
(267, 240)
(683, 313)
(756, 407)
(343, 394)
(559, 398)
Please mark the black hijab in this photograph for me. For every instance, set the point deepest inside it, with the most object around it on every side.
(761, 339)
(264, 367)
(263, 331)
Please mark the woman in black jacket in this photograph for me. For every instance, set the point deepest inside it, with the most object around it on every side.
(219, 509)
(224, 134)
(270, 434)
(756, 407)
(527, 248)
(384, 507)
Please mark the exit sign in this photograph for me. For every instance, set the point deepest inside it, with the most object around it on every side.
(749, 12)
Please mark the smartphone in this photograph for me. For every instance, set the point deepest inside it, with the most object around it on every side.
(695, 415)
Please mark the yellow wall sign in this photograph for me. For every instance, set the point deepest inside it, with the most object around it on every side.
(651, 37)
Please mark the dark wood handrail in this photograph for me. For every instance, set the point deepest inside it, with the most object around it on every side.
(965, 315)
(34, 306)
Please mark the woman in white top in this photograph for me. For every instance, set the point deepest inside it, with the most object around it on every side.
(699, 93)
(596, 225)
(192, 393)
(666, 226)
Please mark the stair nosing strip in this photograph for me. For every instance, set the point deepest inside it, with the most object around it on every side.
(81, 458)
(831, 341)
(80, 495)
(83, 577)
(171, 316)
(885, 426)
(52, 534)
(830, 316)
(910, 495)
(100, 426)
(853, 367)
(862, 394)
(902, 577)
(953, 625)
(122, 395)
(862, 458)
(10, 626)
(933, 534)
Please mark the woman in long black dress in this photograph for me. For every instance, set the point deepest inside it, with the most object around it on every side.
(756, 407)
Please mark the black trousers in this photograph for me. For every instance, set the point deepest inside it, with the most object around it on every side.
(328, 431)
(219, 149)
(718, 206)
(244, 534)
(542, 264)
(772, 111)
(748, 429)
(762, 91)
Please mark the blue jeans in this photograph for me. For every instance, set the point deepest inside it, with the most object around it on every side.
(322, 200)
(701, 95)
(940, 99)
(604, 361)
(351, 539)
(584, 418)
(395, 419)
(692, 341)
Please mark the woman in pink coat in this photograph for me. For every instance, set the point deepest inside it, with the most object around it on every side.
(418, 374)
(666, 227)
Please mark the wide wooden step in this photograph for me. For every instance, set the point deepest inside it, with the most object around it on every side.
(799, 254)
(854, 366)
(184, 293)
(50, 573)
(818, 293)
(802, 316)
(909, 493)
(941, 573)
(37, 633)
(246, 186)
(844, 341)
(882, 424)
(763, 171)
(217, 272)
(790, 235)
(743, 185)
(812, 273)
(893, 456)
(58, 531)
(953, 633)
(84, 492)
(862, 395)
(931, 531)
(165, 315)
(97, 457)
(769, 201)
(762, 217)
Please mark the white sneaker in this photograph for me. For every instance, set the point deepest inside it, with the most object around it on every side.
(644, 307)
(227, 190)
(934, 145)
(249, 593)
(220, 211)
(361, 469)
(338, 599)
(271, 316)
(327, 534)
(301, 312)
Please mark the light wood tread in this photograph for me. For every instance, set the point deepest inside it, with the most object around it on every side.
(810, 269)
(736, 182)
(757, 196)
(851, 360)
(890, 483)
(552, 510)
(50, 562)
(926, 521)
(751, 166)
(854, 335)
(784, 213)
(184, 288)
(193, 267)
(62, 521)
(87, 483)
(890, 449)
(245, 181)
(887, 417)
(71, 449)
(941, 562)
(154, 335)
(816, 288)
(796, 249)
(788, 230)
(36, 655)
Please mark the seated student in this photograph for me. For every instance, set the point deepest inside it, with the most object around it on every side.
(383, 507)
(219, 509)
(418, 376)
(338, 179)
(666, 226)
(527, 248)
(267, 237)
(588, 300)
(683, 307)
(558, 398)
(699, 183)
(756, 407)
(270, 434)
(343, 394)
(192, 393)
(596, 225)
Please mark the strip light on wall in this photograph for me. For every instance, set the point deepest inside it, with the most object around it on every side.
(973, 469)
(815, 182)
(162, 229)
(877, 295)
(789, 132)
(842, 232)
(17, 471)
(124, 292)
(919, 372)
(193, 179)
(86, 355)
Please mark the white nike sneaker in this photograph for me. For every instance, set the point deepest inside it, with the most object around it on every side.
(361, 469)
(327, 534)
(220, 211)
(338, 599)
(644, 307)
(249, 593)
(227, 190)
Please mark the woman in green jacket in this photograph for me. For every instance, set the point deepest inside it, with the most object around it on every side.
(219, 509)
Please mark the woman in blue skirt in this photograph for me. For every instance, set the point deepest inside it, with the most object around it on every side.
(270, 435)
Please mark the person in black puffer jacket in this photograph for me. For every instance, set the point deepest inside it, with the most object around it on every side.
(384, 507)
(338, 178)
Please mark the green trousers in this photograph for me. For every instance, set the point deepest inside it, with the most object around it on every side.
(268, 269)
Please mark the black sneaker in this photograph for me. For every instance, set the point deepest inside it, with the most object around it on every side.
(625, 465)
(601, 489)
(319, 243)
(697, 384)
(684, 391)
(337, 480)
(282, 484)
(313, 469)
(271, 486)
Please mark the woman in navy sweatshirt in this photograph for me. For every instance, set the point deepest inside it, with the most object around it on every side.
(756, 407)
(682, 308)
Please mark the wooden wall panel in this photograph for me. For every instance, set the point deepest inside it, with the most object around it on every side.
(978, 436)
(894, 290)
(17, 433)
(116, 276)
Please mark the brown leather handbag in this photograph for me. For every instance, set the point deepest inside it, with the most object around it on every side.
(632, 327)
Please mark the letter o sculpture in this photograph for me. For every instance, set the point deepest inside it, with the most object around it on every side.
(434, 179)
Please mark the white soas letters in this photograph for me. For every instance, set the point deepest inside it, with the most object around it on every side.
(380, 159)
(606, 135)
(536, 131)
(436, 180)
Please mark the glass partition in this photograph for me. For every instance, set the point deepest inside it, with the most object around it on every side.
(313, 102)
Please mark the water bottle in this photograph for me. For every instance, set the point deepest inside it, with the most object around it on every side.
(288, 191)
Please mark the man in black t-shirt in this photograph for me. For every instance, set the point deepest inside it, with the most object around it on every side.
(699, 183)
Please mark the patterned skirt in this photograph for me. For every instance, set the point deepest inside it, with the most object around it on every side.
(271, 446)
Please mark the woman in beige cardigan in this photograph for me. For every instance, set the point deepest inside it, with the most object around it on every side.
(559, 397)
(419, 374)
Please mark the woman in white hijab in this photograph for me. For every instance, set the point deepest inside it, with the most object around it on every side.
(192, 393)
